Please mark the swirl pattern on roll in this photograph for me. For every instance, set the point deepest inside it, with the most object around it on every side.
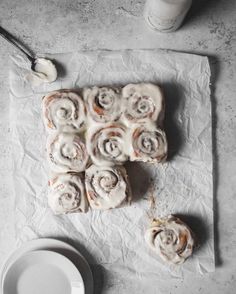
(67, 194)
(64, 111)
(147, 144)
(107, 145)
(103, 104)
(66, 153)
(143, 103)
(107, 187)
(171, 239)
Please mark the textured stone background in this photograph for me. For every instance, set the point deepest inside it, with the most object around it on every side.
(210, 29)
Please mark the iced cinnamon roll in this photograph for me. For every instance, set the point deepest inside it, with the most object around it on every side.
(103, 104)
(66, 153)
(171, 239)
(67, 194)
(107, 187)
(147, 143)
(143, 103)
(107, 145)
(64, 111)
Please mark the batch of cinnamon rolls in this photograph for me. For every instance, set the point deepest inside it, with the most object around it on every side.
(92, 132)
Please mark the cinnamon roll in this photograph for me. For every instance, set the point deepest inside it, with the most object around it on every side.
(171, 239)
(107, 187)
(64, 111)
(143, 103)
(147, 143)
(66, 152)
(67, 194)
(107, 145)
(103, 104)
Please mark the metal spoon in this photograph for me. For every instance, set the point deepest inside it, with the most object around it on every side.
(7, 36)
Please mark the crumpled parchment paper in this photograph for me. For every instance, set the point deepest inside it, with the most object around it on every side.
(114, 240)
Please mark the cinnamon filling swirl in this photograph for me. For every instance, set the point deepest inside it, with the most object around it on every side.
(171, 239)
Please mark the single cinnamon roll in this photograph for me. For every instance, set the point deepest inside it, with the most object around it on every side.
(66, 152)
(67, 194)
(107, 145)
(171, 239)
(143, 103)
(103, 104)
(64, 111)
(107, 187)
(147, 143)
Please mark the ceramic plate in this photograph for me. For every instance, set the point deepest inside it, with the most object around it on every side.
(43, 272)
(55, 246)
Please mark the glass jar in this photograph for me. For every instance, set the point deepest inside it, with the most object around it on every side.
(166, 15)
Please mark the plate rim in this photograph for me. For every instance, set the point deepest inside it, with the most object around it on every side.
(48, 244)
(73, 274)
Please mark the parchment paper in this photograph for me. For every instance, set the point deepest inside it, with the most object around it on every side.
(114, 240)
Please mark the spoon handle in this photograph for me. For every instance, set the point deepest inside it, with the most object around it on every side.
(11, 40)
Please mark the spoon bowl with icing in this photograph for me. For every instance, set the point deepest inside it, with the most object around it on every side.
(43, 69)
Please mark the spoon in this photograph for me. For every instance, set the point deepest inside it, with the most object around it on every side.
(7, 36)
(43, 69)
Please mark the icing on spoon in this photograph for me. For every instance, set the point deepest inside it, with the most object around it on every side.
(43, 70)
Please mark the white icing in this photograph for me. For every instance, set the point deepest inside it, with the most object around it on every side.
(107, 187)
(103, 104)
(66, 152)
(64, 111)
(147, 143)
(67, 194)
(143, 103)
(107, 144)
(171, 239)
(46, 70)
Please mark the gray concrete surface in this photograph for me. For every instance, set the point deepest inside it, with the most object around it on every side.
(210, 29)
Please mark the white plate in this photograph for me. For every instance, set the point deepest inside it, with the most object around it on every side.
(56, 246)
(44, 272)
